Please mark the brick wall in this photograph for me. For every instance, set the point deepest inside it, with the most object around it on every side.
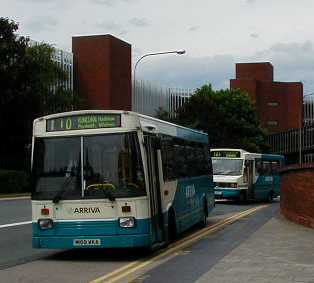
(297, 194)
(278, 104)
(102, 71)
(262, 71)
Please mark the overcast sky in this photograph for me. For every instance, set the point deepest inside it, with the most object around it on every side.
(215, 34)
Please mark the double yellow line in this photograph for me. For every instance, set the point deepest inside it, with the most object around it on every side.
(175, 247)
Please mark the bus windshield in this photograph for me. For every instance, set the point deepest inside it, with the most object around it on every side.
(112, 167)
(232, 167)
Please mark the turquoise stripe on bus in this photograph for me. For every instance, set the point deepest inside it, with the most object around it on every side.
(92, 228)
(192, 135)
(227, 193)
(117, 241)
(272, 157)
(188, 208)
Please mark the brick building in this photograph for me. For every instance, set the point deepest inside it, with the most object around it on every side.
(279, 105)
(102, 71)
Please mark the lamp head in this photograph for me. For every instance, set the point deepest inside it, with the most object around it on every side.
(181, 52)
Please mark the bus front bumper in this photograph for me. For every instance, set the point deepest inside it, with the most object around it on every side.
(224, 193)
(73, 242)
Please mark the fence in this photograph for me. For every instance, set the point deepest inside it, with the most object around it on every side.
(149, 97)
(289, 143)
(308, 110)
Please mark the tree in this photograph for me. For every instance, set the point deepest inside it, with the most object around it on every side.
(31, 85)
(162, 114)
(228, 116)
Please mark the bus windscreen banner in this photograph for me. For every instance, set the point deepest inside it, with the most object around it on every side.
(226, 154)
(82, 122)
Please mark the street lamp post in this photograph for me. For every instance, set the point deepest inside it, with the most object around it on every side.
(179, 52)
(300, 129)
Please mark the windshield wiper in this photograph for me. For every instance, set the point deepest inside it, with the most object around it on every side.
(60, 193)
(234, 172)
(220, 173)
(109, 195)
(105, 187)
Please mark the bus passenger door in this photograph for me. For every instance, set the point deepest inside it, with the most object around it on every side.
(152, 144)
(250, 178)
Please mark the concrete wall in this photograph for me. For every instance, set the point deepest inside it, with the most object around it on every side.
(297, 194)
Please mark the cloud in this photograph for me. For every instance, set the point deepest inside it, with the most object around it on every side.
(42, 1)
(111, 27)
(254, 35)
(292, 62)
(39, 24)
(193, 28)
(104, 2)
(130, 1)
(139, 22)
(110, 3)
(136, 53)
(189, 72)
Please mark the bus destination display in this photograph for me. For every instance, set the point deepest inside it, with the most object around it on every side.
(226, 154)
(82, 122)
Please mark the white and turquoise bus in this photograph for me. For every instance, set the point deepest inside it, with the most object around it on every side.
(105, 179)
(242, 175)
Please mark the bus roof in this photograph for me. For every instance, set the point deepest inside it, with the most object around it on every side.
(147, 123)
(272, 157)
(250, 155)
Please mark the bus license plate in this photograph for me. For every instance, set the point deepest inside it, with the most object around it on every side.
(86, 242)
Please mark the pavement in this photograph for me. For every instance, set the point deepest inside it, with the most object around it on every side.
(278, 252)
(261, 247)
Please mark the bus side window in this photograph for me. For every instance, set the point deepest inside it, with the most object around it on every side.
(191, 156)
(258, 167)
(266, 168)
(210, 166)
(179, 166)
(206, 163)
(168, 160)
(275, 167)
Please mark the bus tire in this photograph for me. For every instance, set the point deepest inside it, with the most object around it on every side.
(172, 228)
(270, 197)
(242, 197)
(203, 221)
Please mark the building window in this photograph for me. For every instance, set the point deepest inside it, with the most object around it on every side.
(272, 123)
(273, 103)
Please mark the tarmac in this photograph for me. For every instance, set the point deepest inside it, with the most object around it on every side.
(279, 252)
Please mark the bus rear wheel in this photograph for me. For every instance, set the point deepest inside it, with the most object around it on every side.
(203, 221)
(270, 197)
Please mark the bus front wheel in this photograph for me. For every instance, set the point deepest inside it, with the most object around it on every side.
(242, 197)
(172, 229)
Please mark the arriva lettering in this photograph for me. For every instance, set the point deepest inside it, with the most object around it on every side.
(81, 210)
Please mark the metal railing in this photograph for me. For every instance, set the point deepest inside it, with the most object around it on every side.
(149, 97)
(288, 143)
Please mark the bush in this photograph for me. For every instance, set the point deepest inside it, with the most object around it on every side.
(12, 181)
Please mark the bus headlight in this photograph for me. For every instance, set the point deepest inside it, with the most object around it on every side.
(127, 222)
(45, 224)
